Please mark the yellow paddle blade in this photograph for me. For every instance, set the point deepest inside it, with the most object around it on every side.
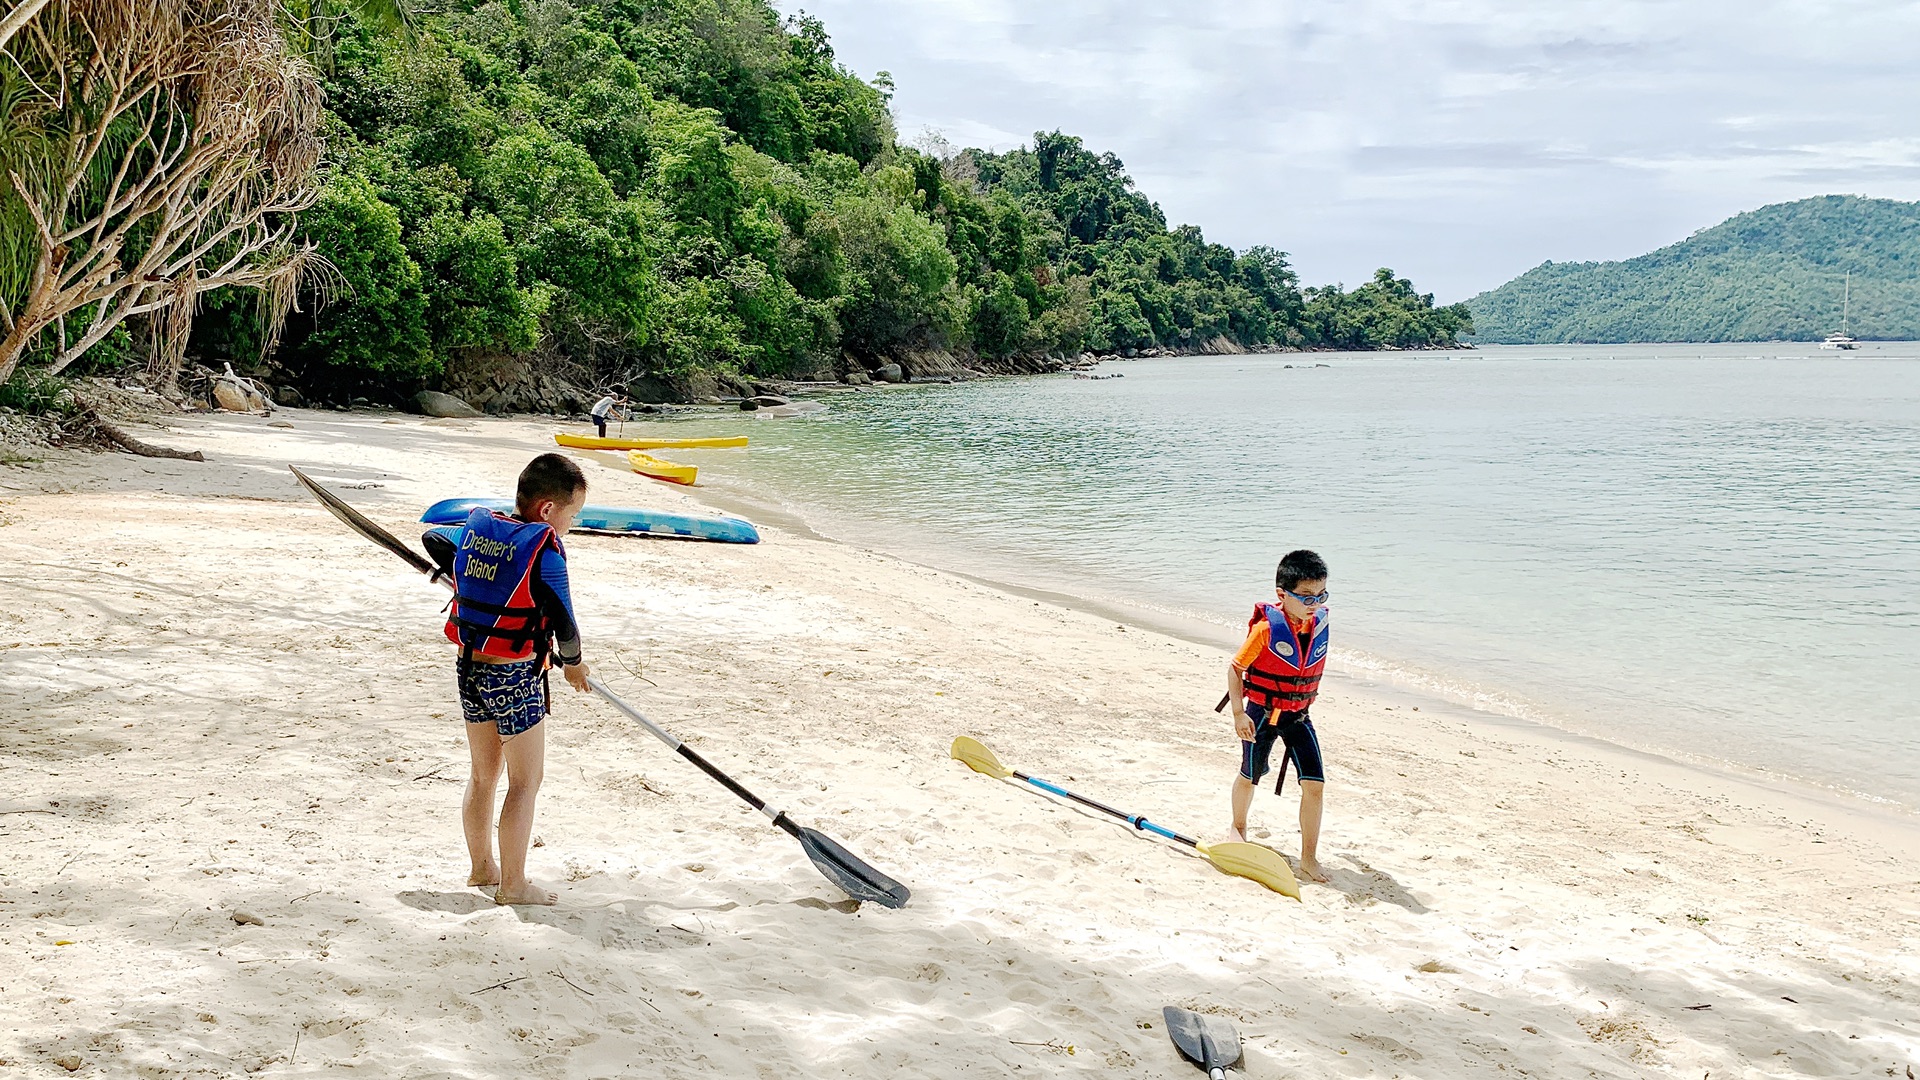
(981, 760)
(1261, 864)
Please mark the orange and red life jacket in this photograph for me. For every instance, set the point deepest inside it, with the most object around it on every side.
(1284, 678)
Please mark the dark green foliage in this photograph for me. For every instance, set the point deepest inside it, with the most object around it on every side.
(674, 186)
(470, 271)
(1776, 273)
(31, 390)
(1385, 312)
(1151, 286)
(376, 323)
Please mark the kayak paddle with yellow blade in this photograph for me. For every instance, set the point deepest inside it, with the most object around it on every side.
(838, 865)
(1261, 864)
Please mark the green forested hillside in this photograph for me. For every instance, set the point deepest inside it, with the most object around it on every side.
(610, 188)
(1775, 273)
(499, 191)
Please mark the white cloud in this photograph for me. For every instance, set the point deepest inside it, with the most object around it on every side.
(1458, 141)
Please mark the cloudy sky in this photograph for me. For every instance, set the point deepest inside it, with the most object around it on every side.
(1460, 142)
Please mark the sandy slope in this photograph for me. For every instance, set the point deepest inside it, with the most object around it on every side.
(219, 701)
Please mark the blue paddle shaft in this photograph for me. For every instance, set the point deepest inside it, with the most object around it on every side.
(1134, 820)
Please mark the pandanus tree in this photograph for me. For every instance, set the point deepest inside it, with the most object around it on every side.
(151, 151)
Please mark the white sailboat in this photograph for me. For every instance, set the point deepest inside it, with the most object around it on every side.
(1840, 339)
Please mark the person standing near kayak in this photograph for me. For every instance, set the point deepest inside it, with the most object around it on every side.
(1271, 683)
(602, 409)
(512, 613)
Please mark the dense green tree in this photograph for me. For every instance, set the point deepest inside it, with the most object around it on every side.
(673, 186)
(474, 279)
(376, 322)
(899, 273)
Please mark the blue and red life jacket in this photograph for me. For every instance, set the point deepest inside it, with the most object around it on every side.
(1282, 679)
(494, 612)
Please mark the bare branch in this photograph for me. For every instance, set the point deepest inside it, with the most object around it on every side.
(19, 17)
(193, 129)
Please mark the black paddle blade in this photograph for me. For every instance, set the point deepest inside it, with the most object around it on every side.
(855, 877)
(1211, 1042)
(358, 522)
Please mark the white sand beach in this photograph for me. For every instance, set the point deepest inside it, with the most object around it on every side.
(233, 760)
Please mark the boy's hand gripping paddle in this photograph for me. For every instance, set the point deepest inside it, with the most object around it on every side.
(1252, 861)
(1210, 1042)
(840, 866)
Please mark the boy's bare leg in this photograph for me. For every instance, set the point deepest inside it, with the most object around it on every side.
(1312, 797)
(526, 759)
(476, 810)
(1242, 799)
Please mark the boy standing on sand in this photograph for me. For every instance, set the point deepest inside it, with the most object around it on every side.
(512, 611)
(1271, 682)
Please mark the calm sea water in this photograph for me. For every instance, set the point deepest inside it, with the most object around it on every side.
(1710, 551)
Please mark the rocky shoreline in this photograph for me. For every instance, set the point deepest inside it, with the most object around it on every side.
(499, 390)
(499, 386)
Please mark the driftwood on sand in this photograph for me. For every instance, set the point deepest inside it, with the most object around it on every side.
(128, 442)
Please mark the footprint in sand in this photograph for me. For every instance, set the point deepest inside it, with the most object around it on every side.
(1393, 1048)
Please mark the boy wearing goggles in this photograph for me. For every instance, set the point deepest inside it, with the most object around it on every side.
(1271, 683)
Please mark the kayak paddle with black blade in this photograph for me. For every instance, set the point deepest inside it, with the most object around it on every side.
(1261, 864)
(1208, 1041)
(840, 866)
(358, 522)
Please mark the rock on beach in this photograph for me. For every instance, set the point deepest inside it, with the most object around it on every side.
(435, 403)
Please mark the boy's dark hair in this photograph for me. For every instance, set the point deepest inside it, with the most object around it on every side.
(549, 476)
(1298, 566)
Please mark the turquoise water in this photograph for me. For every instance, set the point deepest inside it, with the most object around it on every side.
(1709, 551)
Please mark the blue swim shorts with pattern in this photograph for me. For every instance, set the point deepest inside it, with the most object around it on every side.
(511, 697)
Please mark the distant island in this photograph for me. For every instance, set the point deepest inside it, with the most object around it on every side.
(1776, 273)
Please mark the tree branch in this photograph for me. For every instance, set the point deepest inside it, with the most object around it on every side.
(127, 441)
(19, 17)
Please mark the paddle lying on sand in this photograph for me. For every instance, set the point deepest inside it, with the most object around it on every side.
(840, 866)
(1252, 861)
(1210, 1042)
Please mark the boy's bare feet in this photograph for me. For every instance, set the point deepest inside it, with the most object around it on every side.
(1310, 868)
(484, 875)
(526, 894)
(1237, 834)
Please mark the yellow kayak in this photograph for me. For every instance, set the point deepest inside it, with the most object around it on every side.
(647, 465)
(589, 442)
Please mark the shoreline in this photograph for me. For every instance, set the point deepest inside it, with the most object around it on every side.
(194, 742)
(1829, 800)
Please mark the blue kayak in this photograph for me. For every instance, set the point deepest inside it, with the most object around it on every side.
(613, 519)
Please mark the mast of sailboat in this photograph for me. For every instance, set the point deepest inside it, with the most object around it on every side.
(1846, 295)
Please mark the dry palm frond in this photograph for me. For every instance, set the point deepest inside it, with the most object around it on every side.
(173, 143)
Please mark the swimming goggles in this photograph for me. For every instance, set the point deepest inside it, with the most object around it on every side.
(1313, 601)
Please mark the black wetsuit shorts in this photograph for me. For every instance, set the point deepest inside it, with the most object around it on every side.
(1295, 731)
